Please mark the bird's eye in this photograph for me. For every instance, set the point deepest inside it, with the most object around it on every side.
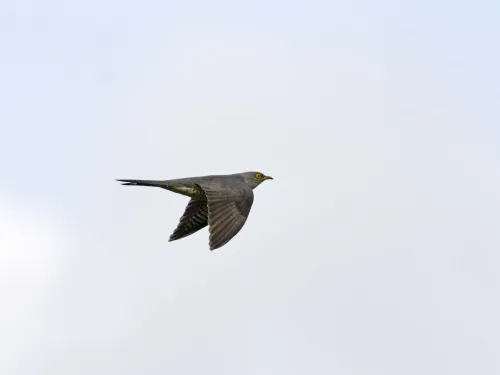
(258, 175)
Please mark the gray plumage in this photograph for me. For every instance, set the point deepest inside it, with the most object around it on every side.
(222, 202)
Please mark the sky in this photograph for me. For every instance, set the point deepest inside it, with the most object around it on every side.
(375, 249)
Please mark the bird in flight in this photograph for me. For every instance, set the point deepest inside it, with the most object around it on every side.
(222, 202)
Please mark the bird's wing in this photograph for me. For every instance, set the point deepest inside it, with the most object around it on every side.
(229, 204)
(195, 217)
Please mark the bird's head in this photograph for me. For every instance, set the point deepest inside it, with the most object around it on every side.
(254, 179)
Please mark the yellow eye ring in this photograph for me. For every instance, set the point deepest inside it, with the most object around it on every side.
(258, 175)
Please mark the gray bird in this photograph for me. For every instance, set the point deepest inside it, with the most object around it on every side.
(222, 202)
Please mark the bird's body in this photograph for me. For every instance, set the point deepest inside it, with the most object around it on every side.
(222, 202)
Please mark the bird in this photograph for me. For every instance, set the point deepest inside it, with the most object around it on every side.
(222, 202)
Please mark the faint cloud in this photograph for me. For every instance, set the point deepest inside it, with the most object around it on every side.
(29, 246)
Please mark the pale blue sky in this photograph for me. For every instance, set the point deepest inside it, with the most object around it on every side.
(374, 250)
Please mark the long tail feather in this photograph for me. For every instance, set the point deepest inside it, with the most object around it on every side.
(154, 183)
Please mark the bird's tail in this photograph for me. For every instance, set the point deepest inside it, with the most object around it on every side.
(155, 183)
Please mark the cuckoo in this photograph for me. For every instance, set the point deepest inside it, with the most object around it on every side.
(222, 202)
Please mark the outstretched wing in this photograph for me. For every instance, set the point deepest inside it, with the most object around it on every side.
(229, 204)
(195, 217)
